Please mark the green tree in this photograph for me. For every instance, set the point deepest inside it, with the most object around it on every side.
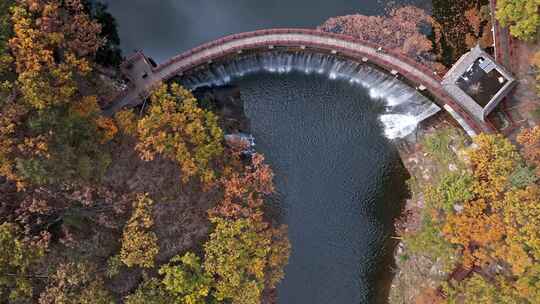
(6, 32)
(429, 242)
(186, 280)
(453, 188)
(521, 15)
(16, 261)
(74, 141)
(478, 290)
(238, 256)
(150, 291)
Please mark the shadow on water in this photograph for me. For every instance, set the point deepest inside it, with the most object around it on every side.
(383, 280)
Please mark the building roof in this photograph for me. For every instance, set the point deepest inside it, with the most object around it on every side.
(478, 82)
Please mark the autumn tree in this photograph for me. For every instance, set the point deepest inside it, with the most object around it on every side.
(480, 22)
(530, 141)
(239, 257)
(6, 72)
(150, 291)
(180, 130)
(185, 279)
(73, 137)
(16, 262)
(521, 215)
(75, 283)
(243, 256)
(50, 44)
(492, 162)
(139, 242)
(126, 121)
(13, 115)
(428, 241)
(477, 227)
(61, 141)
(527, 285)
(535, 61)
(479, 290)
(399, 31)
(521, 16)
(245, 191)
(109, 53)
(429, 296)
(479, 210)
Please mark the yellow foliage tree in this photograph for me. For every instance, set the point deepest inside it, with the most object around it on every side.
(88, 108)
(521, 214)
(480, 228)
(478, 231)
(179, 129)
(492, 160)
(139, 242)
(127, 122)
(521, 16)
(107, 127)
(244, 256)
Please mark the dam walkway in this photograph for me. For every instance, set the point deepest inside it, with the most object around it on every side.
(143, 75)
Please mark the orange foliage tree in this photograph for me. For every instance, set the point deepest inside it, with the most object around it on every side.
(479, 228)
(530, 141)
(399, 31)
(244, 192)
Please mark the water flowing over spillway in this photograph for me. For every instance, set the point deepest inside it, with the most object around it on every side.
(405, 108)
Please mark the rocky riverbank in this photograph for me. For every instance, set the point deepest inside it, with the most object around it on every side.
(414, 272)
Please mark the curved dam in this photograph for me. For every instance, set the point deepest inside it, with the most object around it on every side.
(144, 75)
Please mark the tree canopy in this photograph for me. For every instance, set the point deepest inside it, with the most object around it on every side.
(521, 16)
(139, 243)
(180, 130)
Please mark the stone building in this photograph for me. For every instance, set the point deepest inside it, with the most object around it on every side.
(478, 82)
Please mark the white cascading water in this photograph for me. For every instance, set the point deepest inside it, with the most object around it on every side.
(405, 107)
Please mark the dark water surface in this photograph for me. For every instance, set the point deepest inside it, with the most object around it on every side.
(341, 183)
(164, 28)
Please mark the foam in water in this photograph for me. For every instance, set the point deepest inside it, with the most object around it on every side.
(405, 107)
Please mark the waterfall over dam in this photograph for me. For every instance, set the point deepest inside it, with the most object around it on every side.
(405, 107)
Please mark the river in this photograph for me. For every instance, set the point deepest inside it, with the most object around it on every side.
(339, 177)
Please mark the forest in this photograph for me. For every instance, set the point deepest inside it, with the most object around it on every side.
(138, 207)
